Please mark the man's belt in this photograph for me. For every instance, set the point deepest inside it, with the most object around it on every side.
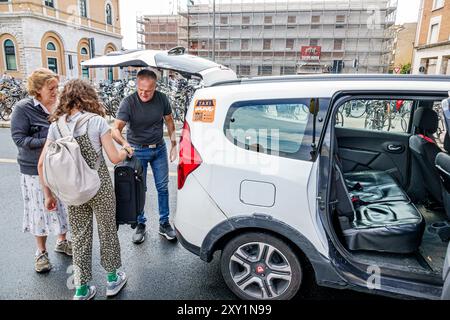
(148, 146)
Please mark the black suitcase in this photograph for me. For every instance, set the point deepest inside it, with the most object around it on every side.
(130, 191)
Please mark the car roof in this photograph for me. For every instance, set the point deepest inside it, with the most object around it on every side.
(324, 86)
(336, 77)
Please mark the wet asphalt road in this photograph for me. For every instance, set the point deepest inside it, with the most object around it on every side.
(157, 269)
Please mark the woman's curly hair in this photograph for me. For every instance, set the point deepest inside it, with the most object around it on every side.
(78, 94)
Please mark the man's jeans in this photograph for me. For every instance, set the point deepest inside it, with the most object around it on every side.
(157, 157)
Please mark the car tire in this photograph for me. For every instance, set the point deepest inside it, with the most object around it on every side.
(259, 266)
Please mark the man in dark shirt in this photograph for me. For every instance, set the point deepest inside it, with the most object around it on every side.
(144, 113)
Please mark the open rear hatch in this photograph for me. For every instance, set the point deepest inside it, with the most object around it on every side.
(175, 59)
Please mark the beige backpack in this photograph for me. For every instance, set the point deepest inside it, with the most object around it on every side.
(66, 172)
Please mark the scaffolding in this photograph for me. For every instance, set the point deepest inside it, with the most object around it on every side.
(157, 32)
(266, 37)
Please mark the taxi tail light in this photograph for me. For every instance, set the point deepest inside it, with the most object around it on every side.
(190, 159)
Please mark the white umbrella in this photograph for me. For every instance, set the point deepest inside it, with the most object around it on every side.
(174, 59)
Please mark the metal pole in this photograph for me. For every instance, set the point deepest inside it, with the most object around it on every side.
(188, 26)
(214, 32)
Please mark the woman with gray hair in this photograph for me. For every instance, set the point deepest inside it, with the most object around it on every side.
(29, 128)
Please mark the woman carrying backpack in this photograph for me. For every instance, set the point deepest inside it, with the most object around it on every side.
(78, 98)
(29, 127)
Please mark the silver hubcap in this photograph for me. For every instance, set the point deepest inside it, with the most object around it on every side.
(260, 270)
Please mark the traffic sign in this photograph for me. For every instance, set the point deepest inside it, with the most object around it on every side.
(397, 69)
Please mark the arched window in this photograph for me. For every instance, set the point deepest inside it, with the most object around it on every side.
(51, 46)
(53, 53)
(10, 55)
(84, 51)
(108, 14)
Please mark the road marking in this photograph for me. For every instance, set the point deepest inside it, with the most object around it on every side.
(111, 169)
(8, 161)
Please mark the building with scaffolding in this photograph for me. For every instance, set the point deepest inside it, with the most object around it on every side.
(157, 32)
(270, 37)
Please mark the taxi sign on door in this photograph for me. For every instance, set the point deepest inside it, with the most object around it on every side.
(204, 110)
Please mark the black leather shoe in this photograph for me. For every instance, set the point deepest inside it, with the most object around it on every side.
(139, 235)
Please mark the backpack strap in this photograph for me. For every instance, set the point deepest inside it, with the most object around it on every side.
(82, 120)
(85, 117)
(63, 127)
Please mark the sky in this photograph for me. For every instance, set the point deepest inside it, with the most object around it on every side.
(408, 11)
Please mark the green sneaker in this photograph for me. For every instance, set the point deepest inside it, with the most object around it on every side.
(114, 287)
(89, 295)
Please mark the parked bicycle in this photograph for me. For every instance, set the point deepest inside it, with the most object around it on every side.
(11, 92)
(378, 116)
(111, 94)
(441, 131)
(179, 93)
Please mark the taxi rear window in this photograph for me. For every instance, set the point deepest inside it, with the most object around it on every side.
(278, 127)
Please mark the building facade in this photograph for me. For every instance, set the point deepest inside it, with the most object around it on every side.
(291, 37)
(59, 35)
(432, 51)
(157, 32)
(405, 36)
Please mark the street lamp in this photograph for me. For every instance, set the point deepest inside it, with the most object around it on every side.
(190, 3)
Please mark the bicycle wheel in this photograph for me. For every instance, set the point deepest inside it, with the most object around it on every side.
(358, 109)
(405, 118)
(8, 108)
(5, 113)
(2, 108)
(385, 122)
(369, 122)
